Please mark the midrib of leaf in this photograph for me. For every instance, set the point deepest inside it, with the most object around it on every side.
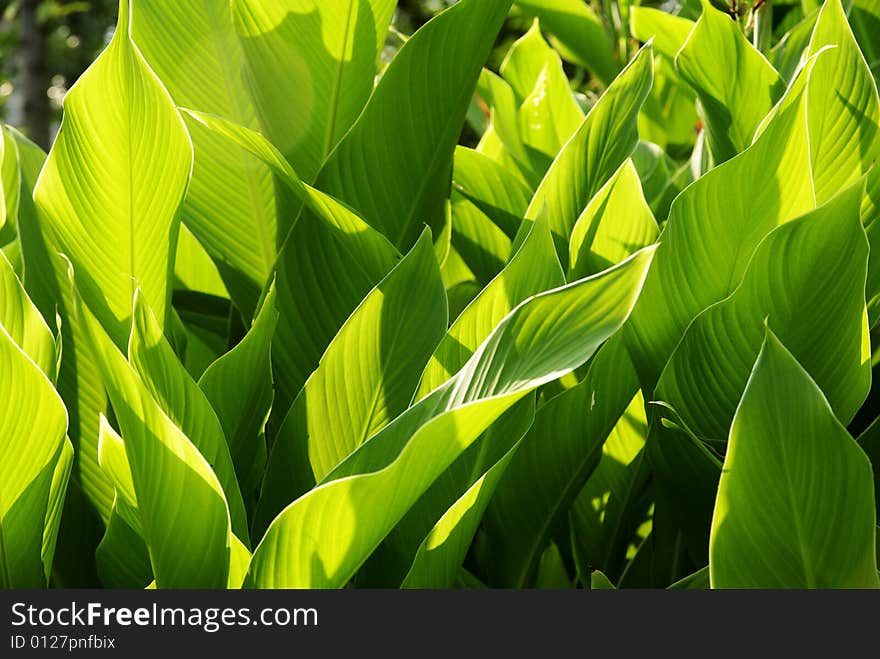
(799, 532)
(267, 244)
(337, 87)
(131, 224)
(364, 434)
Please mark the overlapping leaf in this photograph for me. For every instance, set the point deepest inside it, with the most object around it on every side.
(230, 204)
(806, 280)
(115, 176)
(409, 131)
(605, 139)
(390, 337)
(339, 523)
(795, 506)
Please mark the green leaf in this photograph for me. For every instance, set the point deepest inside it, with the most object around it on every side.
(870, 443)
(363, 498)
(409, 133)
(598, 514)
(181, 399)
(598, 581)
(548, 114)
(615, 224)
(556, 457)
(786, 54)
(33, 423)
(605, 139)
(23, 322)
(193, 267)
(532, 270)
(806, 280)
(843, 111)
(699, 580)
(10, 185)
(669, 116)
(239, 388)
(442, 552)
(488, 204)
(122, 558)
(390, 336)
(182, 508)
(323, 54)
(724, 68)
(113, 181)
(330, 261)
(737, 203)
(230, 202)
(668, 31)
(579, 34)
(795, 506)
(871, 220)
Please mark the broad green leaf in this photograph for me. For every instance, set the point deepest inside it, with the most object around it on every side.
(442, 552)
(230, 202)
(408, 133)
(181, 399)
(323, 54)
(786, 54)
(114, 461)
(548, 113)
(735, 84)
(864, 16)
(478, 241)
(615, 224)
(843, 110)
(532, 270)
(871, 220)
(23, 322)
(525, 62)
(870, 443)
(122, 558)
(57, 497)
(193, 267)
(488, 204)
(690, 273)
(239, 387)
(362, 499)
(597, 514)
(330, 261)
(10, 185)
(552, 574)
(390, 337)
(556, 457)
(33, 422)
(669, 116)
(598, 581)
(89, 497)
(668, 31)
(113, 181)
(605, 139)
(491, 188)
(795, 506)
(579, 34)
(806, 281)
(183, 511)
(699, 580)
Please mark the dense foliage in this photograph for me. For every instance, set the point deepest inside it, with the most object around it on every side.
(267, 322)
